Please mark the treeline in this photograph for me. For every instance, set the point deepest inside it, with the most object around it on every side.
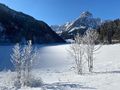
(110, 32)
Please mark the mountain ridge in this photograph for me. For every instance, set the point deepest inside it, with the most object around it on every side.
(16, 27)
(85, 20)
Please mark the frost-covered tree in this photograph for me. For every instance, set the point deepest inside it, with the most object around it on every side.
(90, 38)
(16, 60)
(28, 57)
(77, 52)
(22, 58)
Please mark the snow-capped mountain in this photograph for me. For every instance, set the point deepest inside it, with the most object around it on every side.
(81, 24)
(60, 28)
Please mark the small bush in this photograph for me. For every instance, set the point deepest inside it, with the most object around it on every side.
(34, 82)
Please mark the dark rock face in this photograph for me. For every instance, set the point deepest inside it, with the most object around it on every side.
(19, 27)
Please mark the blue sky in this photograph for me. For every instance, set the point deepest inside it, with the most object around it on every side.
(61, 11)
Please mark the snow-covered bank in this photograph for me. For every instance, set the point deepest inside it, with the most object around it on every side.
(56, 68)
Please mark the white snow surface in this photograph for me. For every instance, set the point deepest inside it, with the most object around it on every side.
(56, 68)
(75, 28)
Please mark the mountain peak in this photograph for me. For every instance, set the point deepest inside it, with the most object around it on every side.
(86, 14)
(79, 25)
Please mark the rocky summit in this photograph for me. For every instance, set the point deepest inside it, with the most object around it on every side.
(84, 22)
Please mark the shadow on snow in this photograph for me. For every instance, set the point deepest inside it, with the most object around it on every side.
(62, 85)
(108, 72)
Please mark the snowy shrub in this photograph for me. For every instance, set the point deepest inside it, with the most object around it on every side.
(34, 82)
(8, 81)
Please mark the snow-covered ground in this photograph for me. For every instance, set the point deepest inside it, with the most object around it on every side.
(56, 68)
